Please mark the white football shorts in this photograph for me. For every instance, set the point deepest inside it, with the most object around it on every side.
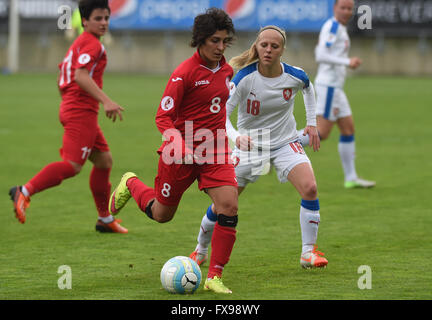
(249, 166)
(332, 103)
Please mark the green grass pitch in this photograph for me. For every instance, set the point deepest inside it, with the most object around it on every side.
(387, 228)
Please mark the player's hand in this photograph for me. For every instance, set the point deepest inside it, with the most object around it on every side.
(355, 62)
(244, 143)
(314, 139)
(112, 110)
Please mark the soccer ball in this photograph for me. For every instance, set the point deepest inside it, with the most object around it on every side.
(180, 275)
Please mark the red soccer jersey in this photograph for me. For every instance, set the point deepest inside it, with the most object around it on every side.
(194, 103)
(85, 52)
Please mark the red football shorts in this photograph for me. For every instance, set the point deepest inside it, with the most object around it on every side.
(174, 179)
(82, 134)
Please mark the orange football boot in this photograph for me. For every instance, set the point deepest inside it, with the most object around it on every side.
(20, 202)
(199, 258)
(113, 226)
(313, 259)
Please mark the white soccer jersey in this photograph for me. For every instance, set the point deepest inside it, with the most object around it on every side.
(268, 103)
(332, 54)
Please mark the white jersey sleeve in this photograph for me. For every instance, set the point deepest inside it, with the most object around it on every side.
(236, 97)
(310, 105)
(232, 133)
(322, 55)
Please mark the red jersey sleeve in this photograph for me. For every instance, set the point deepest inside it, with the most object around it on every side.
(169, 110)
(87, 55)
(170, 103)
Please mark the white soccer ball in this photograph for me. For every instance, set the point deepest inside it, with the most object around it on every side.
(180, 275)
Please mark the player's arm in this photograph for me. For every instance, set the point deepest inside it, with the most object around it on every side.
(243, 142)
(85, 81)
(166, 115)
(323, 53)
(311, 123)
(231, 104)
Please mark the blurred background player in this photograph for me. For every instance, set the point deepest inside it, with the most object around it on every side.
(332, 104)
(76, 28)
(80, 84)
(264, 92)
(194, 102)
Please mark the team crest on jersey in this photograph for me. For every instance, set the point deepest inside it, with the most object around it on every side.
(84, 58)
(167, 103)
(287, 94)
(231, 88)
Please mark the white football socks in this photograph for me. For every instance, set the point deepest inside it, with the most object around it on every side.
(346, 148)
(309, 221)
(25, 191)
(108, 219)
(205, 234)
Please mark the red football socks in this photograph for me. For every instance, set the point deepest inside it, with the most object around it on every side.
(101, 189)
(222, 244)
(140, 192)
(50, 176)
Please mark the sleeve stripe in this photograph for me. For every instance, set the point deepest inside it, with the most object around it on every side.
(297, 73)
(244, 72)
(332, 35)
(334, 27)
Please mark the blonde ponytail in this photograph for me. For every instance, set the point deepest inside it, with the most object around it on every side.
(246, 58)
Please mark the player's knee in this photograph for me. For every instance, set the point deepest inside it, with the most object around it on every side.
(309, 190)
(323, 135)
(108, 163)
(163, 219)
(105, 162)
(77, 167)
(347, 133)
(161, 214)
(229, 208)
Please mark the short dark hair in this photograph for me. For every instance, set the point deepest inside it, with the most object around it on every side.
(206, 24)
(86, 7)
(336, 2)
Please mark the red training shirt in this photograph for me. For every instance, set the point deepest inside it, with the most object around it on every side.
(85, 52)
(198, 94)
